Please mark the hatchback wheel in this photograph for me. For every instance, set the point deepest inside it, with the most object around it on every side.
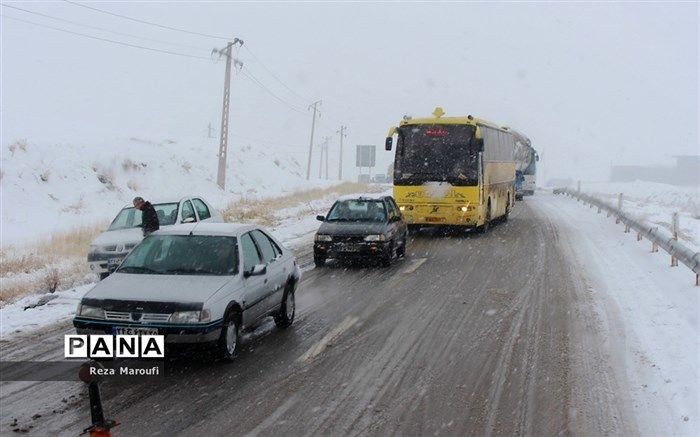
(401, 250)
(389, 255)
(229, 339)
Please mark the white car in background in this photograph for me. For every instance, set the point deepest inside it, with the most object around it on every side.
(109, 249)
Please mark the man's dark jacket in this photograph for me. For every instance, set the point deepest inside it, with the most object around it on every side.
(149, 219)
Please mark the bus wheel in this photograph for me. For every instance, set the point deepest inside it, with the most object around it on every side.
(487, 220)
(505, 216)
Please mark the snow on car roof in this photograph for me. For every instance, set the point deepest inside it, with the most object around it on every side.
(201, 228)
(368, 196)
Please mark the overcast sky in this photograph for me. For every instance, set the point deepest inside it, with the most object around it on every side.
(591, 83)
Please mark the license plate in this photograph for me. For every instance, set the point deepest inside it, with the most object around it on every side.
(434, 219)
(349, 248)
(127, 330)
(114, 262)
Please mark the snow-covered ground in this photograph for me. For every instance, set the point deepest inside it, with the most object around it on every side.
(649, 314)
(50, 187)
(655, 203)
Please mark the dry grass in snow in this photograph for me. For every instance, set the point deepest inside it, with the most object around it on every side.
(54, 264)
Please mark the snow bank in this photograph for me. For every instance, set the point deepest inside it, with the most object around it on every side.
(650, 311)
(52, 187)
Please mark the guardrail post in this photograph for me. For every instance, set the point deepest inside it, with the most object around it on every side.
(627, 228)
(619, 207)
(674, 231)
(599, 210)
(654, 247)
(639, 236)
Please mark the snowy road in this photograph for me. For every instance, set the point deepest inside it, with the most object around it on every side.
(525, 330)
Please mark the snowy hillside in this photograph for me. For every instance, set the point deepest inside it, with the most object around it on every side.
(49, 187)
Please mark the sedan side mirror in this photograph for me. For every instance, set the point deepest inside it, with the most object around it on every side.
(388, 143)
(320, 218)
(257, 270)
(188, 220)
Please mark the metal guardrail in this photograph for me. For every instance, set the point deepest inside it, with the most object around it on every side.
(677, 250)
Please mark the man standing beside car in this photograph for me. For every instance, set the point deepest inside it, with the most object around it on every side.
(149, 216)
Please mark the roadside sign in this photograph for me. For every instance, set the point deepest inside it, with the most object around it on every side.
(366, 156)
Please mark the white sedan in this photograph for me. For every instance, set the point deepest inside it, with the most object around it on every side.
(195, 283)
(124, 233)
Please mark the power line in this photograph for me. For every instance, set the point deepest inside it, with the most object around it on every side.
(122, 43)
(274, 75)
(102, 28)
(162, 26)
(246, 73)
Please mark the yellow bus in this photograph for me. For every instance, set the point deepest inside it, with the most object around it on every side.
(452, 171)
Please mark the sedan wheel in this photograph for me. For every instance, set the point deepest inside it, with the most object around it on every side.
(285, 317)
(228, 342)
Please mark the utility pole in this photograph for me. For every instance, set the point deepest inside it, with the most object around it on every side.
(320, 162)
(326, 149)
(340, 161)
(223, 142)
(322, 155)
(311, 141)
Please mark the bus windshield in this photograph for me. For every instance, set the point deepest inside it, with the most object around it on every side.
(436, 153)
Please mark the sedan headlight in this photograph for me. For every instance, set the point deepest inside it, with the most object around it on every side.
(321, 237)
(190, 316)
(90, 311)
(375, 238)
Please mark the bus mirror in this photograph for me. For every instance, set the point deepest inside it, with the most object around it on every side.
(478, 144)
(388, 143)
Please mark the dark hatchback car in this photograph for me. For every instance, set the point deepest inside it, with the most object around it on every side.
(363, 227)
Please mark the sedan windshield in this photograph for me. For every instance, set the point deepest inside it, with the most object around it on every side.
(131, 217)
(183, 255)
(358, 211)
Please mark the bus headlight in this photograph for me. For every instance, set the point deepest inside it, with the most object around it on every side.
(402, 208)
(464, 209)
(375, 238)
